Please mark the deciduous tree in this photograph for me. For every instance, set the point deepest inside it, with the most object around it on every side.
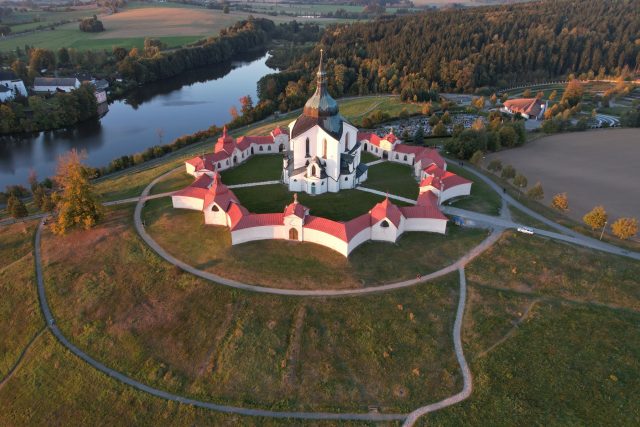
(560, 201)
(76, 203)
(596, 218)
(625, 228)
(536, 192)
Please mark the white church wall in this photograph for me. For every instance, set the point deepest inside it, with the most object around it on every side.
(387, 234)
(406, 159)
(457, 191)
(218, 217)
(258, 233)
(426, 224)
(184, 202)
(324, 239)
(360, 238)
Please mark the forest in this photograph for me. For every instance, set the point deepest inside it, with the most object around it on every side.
(470, 50)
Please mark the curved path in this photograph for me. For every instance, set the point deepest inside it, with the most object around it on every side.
(372, 416)
(137, 218)
(467, 387)
(409, 419)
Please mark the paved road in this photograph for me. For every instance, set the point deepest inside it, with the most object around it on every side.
(577, 238)
(486, 221)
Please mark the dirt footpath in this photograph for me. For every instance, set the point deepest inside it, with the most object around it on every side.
(595, 167)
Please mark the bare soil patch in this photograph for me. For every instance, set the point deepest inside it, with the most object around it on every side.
(593, 168)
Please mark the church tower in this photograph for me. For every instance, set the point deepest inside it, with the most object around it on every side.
(324, 152)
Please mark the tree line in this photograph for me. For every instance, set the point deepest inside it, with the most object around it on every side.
(37, 113)
(468, 50)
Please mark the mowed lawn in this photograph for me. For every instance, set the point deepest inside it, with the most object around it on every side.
(483, 198)
(392, 178)
(122, 304)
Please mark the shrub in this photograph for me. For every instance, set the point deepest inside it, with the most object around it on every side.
(520, 181)
(495, 165)
(476, 159)
(508, 172)
(536, 192)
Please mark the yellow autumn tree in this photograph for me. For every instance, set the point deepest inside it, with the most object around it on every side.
(76, 203)
(560, 202)
(625, 228)
(597, 218)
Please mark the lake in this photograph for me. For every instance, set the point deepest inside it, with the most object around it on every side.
(154, 114)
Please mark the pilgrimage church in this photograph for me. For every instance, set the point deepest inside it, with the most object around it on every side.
(321, 154)
(324, 154)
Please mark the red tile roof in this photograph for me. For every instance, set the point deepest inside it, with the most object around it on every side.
(422, 211)
(259, 220)
(385, 209)
(295, 208)
(434, 170)
(427, 198)
(333, 228)
(408, 149)
(236, 212)
(198, 189)
(280, 131)
(433, 181)
(357, 224)
(371, 137)
(428, 156)
(529, 106)
(450, 180)
(390, 137)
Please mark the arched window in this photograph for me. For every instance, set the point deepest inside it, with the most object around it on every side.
(405, 157)
(219, 165)
(397, 156)
(384, 224)
(227, 162)
(346, 141)
(269, 148)
(307, 148)
(324, 148)
(346, 178)
(313, 170)
(293, 234)
(215, 208)
(261, 148)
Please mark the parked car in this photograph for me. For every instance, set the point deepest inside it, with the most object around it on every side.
(525, 230)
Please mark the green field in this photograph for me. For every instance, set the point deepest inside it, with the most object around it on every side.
(173, 23)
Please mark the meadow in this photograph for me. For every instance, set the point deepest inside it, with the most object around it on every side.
(175, 25)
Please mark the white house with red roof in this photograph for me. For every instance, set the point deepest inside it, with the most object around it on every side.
(384, 222)
(324, 153)
(229, 151)
(529, 108)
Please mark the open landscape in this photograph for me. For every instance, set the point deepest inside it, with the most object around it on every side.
(351, 225)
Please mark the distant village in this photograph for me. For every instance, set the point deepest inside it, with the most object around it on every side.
(11, 86)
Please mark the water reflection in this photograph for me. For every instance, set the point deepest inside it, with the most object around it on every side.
(174, 107)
